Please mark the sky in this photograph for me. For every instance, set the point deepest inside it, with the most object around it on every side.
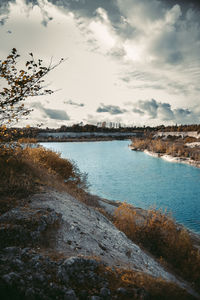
(136, 62)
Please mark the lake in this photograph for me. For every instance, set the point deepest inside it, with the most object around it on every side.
(117, 173)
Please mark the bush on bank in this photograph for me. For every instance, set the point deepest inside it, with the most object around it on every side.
(160, 235)
(24, 169)
(171, 146)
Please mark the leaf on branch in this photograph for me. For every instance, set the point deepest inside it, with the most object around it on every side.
(21, 84)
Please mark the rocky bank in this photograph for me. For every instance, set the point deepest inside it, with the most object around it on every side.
(56, 247)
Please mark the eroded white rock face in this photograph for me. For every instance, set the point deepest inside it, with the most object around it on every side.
(193, 145)
(85, 231)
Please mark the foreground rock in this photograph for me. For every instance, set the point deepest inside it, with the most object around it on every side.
(55, 249)
(24, 226)
(87, 232)
(26, 274)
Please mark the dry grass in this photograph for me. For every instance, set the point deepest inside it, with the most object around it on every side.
(27, 141)
(51, 161)
(138, 285)
(174, 147)
(159, 234)
(17, 175)
(24, 171)
(140, 144)
(82, 195)
(137, 282)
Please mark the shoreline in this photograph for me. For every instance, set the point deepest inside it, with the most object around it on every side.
(110, 205)
(54, 256)
(77, 140)
(50, 248)
(170, 158)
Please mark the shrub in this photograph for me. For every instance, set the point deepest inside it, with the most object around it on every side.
(140, 144)
(174, 148)
(23, 171)
(142, 286)
(17, 175)
(190, 139)
(27, 141)
(50, 160)
(159, 234)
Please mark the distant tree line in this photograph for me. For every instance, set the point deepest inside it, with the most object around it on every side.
(32, 132)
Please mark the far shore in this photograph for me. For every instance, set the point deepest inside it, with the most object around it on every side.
(91, 139)
(170, 158)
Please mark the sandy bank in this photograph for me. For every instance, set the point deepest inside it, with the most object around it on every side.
(170, 158)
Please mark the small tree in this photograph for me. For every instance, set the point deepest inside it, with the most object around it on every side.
(21, 84)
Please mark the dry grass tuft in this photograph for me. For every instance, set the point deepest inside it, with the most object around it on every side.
(82, 195)
(24, 171)
(159, 234)
(171, 146)
(50, 160)
(139, 284)
(27, 141)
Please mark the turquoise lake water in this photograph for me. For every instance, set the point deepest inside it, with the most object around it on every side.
(117, 173)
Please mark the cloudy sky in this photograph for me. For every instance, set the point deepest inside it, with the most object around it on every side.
(130, 61)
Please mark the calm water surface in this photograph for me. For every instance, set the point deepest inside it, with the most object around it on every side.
(117, 173)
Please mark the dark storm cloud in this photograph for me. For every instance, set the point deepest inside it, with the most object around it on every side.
(154, 109)
(116, 52)
(138, 111)
(70, 102)
(55, 114)
(46, 18)
(140, 76)
(164, 112)
(111, 109)
(159, 82)
(4, 10)
(3, 20)
(174, 42)
(125, 79)
(184, 3)
(149, 107)
(87, 8)
(153, 8)
(180, 112)
(168, 46)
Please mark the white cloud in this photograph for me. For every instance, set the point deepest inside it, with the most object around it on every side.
(139, 49)
(173, 15)
(102, 30)
(162, 111)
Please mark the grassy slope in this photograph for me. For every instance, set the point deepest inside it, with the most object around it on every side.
(24, 171)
